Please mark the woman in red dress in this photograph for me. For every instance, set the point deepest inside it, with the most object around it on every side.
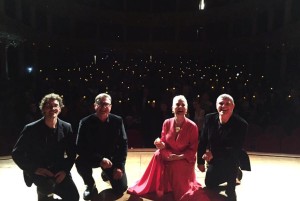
(172, 167)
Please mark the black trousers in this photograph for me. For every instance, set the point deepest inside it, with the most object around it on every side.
(85, 170)
(67, 189)
(220, 171)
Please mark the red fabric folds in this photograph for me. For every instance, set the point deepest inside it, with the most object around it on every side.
(178, 176)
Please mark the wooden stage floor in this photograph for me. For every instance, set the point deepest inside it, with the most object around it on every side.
(273, 177)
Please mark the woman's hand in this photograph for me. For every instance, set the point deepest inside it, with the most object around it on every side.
(159, 144)
(174, 157)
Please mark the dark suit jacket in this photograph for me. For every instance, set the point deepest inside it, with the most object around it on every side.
(97, 140)
(224, 141)
(245, 161)
(33, 149)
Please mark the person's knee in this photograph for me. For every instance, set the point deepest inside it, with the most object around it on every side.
(42, 197)
(47, 187)
(211, 182)
(85, 164)
(82, 166)
(119, 190)
(72, 197)
(120, 186)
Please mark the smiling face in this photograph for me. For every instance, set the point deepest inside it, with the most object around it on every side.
(51, 109)
(225, 106)
(180, 106)
(103, 107)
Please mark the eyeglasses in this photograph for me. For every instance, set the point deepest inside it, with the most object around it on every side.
(102, 104)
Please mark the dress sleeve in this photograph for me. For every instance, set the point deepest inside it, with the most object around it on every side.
(165, 128)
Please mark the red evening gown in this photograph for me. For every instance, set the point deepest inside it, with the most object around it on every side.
(178, 176)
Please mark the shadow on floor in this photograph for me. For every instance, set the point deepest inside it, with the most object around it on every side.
(215, 194)
(105, 195)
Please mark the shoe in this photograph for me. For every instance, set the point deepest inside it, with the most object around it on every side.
(89, 191)
(45, 197)
(49, 197)
(231, 196)
(104, 176)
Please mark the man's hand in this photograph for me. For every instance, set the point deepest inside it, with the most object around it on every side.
(60, 176)
(207, 156)
(44, 172)
(201, 167)
(117, 174)
(106, 163)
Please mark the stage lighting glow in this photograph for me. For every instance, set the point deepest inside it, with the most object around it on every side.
(29, 69)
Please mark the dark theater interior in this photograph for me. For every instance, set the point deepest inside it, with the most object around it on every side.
(143, 53)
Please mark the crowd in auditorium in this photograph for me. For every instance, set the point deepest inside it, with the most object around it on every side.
(142, 90)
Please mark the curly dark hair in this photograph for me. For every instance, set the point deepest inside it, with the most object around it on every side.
(51, 96)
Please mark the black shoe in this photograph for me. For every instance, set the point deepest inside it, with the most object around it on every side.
(104, 176)
(46, 197)
(231, 195)
(89, 191)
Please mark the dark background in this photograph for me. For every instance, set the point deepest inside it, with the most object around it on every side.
(143, 52)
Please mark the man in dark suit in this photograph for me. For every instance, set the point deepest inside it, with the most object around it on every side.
(220, 145)
(45, 151)
(102, 142)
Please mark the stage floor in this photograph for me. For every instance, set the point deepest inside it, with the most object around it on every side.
(273, 177)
